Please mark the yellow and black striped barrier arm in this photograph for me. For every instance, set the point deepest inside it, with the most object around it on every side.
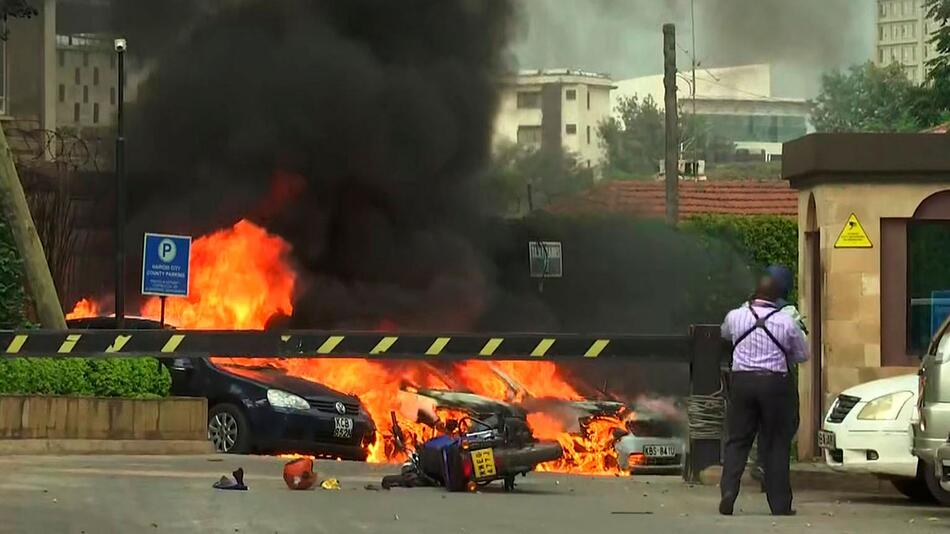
(332, 344)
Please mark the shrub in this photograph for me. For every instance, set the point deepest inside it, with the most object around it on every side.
(103, 378)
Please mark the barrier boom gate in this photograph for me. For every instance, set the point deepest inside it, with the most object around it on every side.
(702, 349)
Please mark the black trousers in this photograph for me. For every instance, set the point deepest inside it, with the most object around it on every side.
(766, 405)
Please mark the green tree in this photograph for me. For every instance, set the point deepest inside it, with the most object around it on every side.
(635, 139)
(866, 98)
(933, 105)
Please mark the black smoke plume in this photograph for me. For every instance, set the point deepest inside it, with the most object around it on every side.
(354, 129)
(357, 130)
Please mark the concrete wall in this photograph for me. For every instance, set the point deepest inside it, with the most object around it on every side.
(85, 424)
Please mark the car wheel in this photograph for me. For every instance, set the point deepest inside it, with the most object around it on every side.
(228, 430)
(914, 489)
(933, 485)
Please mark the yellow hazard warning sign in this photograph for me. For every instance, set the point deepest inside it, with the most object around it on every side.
(853, 235)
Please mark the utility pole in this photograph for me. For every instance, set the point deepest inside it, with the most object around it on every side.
(120, 48)
(692, 23)
(17, 212)
(672, 136)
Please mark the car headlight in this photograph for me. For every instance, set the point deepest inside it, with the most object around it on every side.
(282, 399)
(885, 408)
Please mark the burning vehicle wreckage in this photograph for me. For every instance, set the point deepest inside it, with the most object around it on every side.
(533, 410)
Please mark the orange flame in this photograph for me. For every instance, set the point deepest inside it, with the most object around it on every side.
(84, 308)
(241, 279)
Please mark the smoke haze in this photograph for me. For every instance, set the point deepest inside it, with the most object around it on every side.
(801, 38)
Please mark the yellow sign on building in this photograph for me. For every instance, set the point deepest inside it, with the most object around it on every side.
(853, 235)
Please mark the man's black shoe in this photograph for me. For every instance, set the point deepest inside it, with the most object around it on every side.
(726, 505)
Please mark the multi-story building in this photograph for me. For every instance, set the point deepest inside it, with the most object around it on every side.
(86, 76)
(903, 37)
(559, 108)
(735, 104)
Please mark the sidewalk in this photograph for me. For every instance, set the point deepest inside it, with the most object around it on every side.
(816, 476)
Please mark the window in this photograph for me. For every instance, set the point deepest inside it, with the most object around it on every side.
(571, 94)
(529, 100)
(112, 95)
(78, 77)
(880, 33)
(913, 29)
(85, 59)
(571, 129)
(95, 113)
(588, 135)
(529, 135)
(76, 112)
(928, 280)
(881, 53)
(95, 76)
(883, 11)
(588, 98)
(85, 94)
(62, 58)
(62, 93)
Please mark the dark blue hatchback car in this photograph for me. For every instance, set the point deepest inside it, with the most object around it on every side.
(263, 409)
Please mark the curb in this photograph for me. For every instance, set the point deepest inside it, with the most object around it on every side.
(9, 447)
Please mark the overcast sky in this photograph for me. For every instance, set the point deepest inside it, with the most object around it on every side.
(801, 38)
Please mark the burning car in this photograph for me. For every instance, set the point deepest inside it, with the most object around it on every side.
(263, 409)
(651, 445)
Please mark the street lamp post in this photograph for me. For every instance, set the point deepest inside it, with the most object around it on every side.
(120, 194)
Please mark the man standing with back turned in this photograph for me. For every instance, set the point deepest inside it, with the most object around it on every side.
(763, 398)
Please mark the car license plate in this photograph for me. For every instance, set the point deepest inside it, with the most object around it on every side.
(483, 461)
(826, 440)
(659, 451)
(342, 427)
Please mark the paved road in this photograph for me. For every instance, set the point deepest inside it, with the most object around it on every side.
(173, 494)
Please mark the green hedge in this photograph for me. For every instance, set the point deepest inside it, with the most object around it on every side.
(133, 378)
(41, 376)
(762, 239)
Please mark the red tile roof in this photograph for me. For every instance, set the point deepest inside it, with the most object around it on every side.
(648, 199)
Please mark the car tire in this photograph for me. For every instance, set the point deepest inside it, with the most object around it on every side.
(933, 485)
(228, 429)
(915, 488)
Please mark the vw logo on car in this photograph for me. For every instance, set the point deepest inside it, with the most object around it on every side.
(340, 408)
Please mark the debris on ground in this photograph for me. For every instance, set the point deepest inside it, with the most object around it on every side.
(330, 484)
(299, 475)
(371, 487)
(225, 483)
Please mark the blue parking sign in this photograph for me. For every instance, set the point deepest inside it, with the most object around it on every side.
(165, 261)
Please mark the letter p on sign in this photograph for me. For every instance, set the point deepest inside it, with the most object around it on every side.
(167, 250)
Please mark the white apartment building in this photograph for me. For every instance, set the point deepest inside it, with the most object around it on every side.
(555, 107)
(902, 36)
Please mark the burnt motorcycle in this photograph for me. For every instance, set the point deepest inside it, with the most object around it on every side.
(472, 453)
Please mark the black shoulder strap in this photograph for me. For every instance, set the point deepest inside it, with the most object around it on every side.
(760, 323)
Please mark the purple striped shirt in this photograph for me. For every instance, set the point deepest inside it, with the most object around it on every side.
(757, 352)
